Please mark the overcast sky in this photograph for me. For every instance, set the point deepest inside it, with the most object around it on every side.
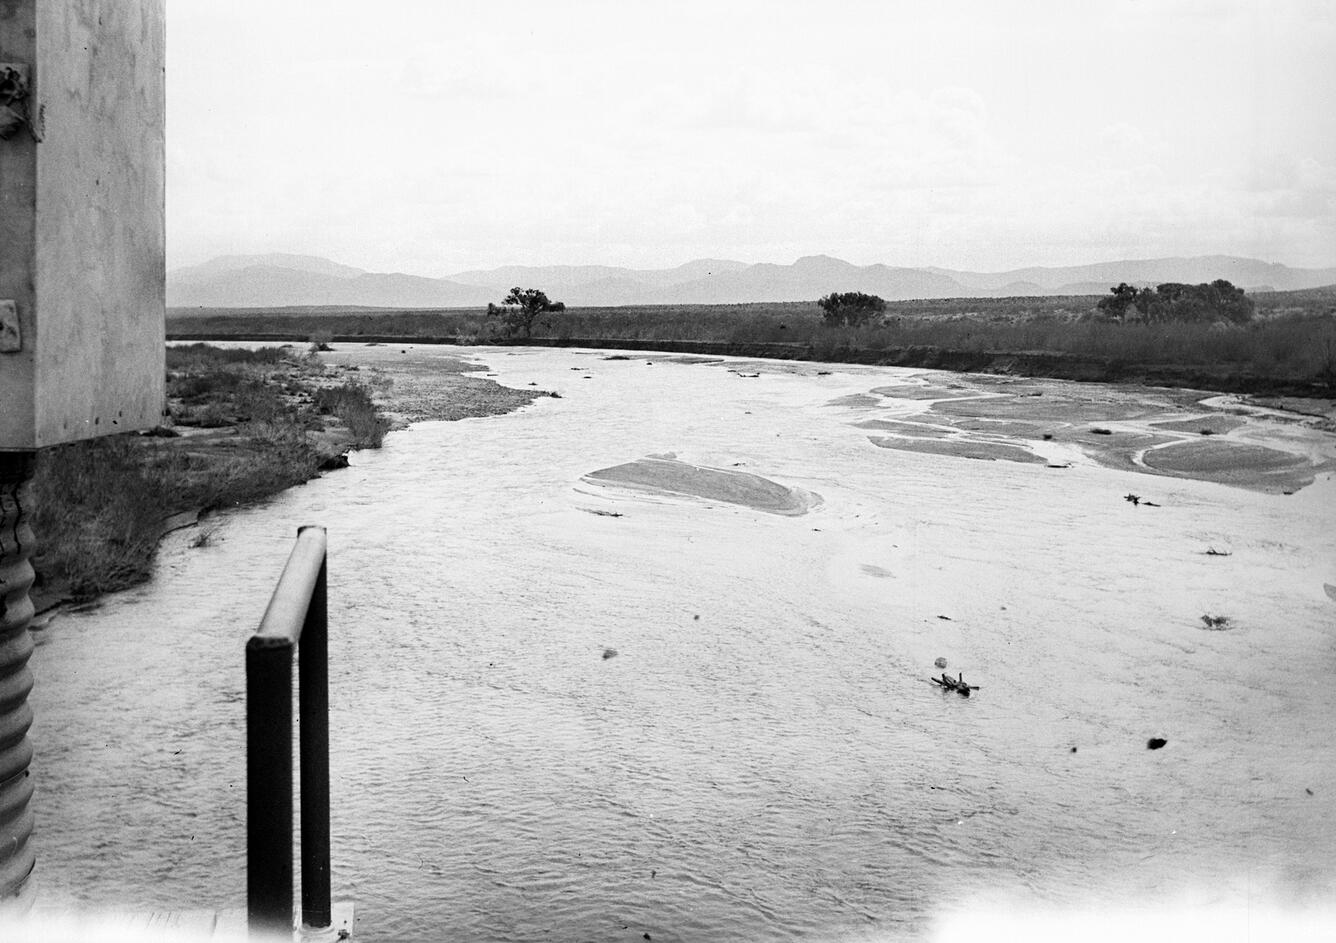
(432, 137)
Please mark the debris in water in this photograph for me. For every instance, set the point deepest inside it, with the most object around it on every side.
(1073, 749)
(1212, 552)
(1154, 743)
(1216, 623)
(1098, 431)
(609, 653)
(945, 618)
(1309, 791)
(957, 684)
(939, 663)
(1134, 498)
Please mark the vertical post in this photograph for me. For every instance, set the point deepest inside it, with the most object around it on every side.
(313, 694)
(269, 785)
(17, 856)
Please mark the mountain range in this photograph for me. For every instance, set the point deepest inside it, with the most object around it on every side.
(280, 280)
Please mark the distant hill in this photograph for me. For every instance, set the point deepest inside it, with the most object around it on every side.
(224, 264)
(282, 280)
(257, 286)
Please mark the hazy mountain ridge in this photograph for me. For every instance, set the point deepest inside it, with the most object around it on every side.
(224, 264)
(284, 280)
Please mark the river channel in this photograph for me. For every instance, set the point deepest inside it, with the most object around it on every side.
(667, 702)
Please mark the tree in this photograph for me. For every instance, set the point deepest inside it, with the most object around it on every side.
(850, 308)
(522, 307)
(1125, 296)
(1174, 301)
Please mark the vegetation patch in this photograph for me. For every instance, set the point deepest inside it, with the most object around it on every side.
(256, 422)
(1287, 345)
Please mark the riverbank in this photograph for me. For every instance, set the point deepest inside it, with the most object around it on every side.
(1289, 348)
(1223, 378)
(241, 425)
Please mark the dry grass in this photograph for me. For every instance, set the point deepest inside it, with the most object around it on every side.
(1292, 339)
(101, 504)
(351, 403)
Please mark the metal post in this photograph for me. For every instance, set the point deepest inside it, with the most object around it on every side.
(313, 694)
(17, 855)
(269, 784)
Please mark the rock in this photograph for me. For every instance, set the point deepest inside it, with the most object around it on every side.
(331, 462)
(940, 663)
(1154, 743)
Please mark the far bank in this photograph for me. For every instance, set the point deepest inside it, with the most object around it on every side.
(1288, 349)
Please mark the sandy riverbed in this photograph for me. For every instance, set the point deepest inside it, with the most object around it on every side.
(764, 758)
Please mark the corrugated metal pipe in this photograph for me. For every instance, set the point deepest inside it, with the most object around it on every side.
(17, 855)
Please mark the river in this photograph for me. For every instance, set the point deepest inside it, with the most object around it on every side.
(572, 708)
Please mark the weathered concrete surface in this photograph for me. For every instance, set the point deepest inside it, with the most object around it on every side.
(83, 226)
(18, 203)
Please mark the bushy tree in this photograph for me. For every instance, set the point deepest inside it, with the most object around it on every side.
(1174, 301)
(521, 309)
(850, 308)
(1121, 298)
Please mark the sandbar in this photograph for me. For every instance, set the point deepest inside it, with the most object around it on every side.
(1247, 465)
(669, 476)
(960, 448)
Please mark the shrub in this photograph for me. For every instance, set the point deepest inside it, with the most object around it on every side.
(850, 308)
(352, 404)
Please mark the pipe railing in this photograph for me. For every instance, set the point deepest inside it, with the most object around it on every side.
(296, 614)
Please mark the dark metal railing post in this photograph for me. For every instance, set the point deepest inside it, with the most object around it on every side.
(296, 621)
(313, 692)
(269, 785)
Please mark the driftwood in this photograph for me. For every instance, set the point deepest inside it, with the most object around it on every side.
(957, 684)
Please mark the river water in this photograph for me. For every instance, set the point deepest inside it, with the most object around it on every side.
(763, 757)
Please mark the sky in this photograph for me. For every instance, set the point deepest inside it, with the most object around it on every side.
(434, 137)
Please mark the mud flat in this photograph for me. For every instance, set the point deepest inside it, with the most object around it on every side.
(427, 383)
(1168, 432)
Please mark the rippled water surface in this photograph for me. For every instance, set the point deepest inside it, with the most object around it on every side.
(763, 758)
